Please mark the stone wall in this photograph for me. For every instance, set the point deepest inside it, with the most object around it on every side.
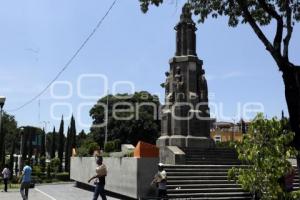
(130, 177)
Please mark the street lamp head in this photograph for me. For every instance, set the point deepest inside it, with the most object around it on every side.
(2, 101)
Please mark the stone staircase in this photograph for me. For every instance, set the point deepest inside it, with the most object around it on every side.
(202, 182)
(218, 156)
(204, 176)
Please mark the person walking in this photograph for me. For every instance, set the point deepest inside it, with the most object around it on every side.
(160, 180)
(101, 173)
(6, 176)
(25, 180)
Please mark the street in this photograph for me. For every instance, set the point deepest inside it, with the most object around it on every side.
(52, 192)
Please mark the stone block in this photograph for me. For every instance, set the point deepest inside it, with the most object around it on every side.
(172, 155)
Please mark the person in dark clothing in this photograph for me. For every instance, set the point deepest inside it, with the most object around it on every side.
(101, 172)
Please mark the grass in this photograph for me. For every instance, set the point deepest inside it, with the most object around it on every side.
(10, 186)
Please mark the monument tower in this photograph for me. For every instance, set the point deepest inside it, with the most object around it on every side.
(185, 115)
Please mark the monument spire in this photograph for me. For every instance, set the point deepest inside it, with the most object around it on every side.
(186, 33)
(185, 119)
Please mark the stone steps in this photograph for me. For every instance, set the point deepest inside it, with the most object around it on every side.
(210, 185)
(211, 195)
(217, 156)
(220, 198)
(203, 173)
(205, 176)
(209, 162)
(203, 182)
(205, 190)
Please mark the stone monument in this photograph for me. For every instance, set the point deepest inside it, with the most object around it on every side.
(186, 114)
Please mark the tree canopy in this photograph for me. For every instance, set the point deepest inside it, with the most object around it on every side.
(266, 148)
(254, 12)
(143, 126)
(9, 137)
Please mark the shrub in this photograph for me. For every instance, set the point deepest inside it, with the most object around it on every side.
(87, 148)
(82, 152)
(117, 144)
(48, 171)
(54, 164)
(64, 176)
(36, 171)
(14, 179)
(43, 163)
(36, 179)
(105, 154)
(129, 154)
(48, 181)
(224, 144)
(109, 146)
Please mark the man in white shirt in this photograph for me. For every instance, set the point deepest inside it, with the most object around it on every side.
(6, 175)
(160, 180)
(101, 173)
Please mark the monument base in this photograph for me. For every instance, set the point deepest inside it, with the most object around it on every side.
(163, 141)
(185, 142)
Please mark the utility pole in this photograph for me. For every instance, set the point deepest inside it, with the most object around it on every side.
(106, 119)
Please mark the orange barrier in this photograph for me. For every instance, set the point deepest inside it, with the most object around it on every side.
(145, 150)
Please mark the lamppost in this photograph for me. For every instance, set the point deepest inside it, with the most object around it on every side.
(2, 101)
(2, 136)
(21, 158)
(233, 129)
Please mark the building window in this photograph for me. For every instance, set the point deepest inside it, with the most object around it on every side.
(218, 138)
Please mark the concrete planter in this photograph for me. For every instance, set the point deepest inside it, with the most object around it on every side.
(130, 177)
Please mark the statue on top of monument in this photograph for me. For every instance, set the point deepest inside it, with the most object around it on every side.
(166, 85)
(179, 90)
(203, 89)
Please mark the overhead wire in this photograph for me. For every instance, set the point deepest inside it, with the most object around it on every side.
(69, 62)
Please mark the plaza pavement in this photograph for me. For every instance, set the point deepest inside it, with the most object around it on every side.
(52, 192)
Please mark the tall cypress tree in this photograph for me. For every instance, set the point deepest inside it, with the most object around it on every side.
(43, 151)
(61, 143)
(53, 148)
(73, 132)
(68, 151)
(43, 143)
(11, 158)
(31, 135)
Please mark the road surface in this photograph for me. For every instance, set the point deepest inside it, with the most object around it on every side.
(52, 192)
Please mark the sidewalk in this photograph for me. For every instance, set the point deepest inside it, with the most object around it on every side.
(52, 192)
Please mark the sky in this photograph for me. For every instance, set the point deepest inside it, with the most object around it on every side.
(130, 52)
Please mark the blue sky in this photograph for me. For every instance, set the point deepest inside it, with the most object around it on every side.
(38, 37)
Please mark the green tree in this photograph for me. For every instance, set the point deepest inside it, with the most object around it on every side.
(82, 136)
(68, 151)
(266, 149)
(43, 143)
(61, 143)
(259, 13)
(31, 132)
(53, 144)
(11, 157)
(142, 123)
(70, 143)
(8, 136)
(73, 132)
